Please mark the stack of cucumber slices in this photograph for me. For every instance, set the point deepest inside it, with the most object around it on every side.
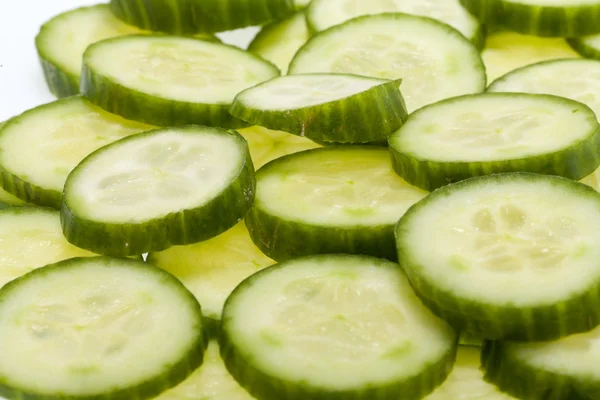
(376, 200)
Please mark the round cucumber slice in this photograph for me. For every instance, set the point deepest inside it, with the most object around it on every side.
(339, 199)
(325, 107)
(560, 369)
(279, 41)
(496, 132)
(434, 60)
(63, 39)
(507, 51)
(211, 381)
(168, 80)
(82, 329)
(150, 191)
(213, 268)
(43, 145)
(587, 46)
(466, 380)
(323, 14)
(199, 16)
(515, 255)
(549, 18)
(334, 326)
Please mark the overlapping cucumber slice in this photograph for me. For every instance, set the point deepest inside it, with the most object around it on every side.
(82, 329)
(337, 108)
(340, 199)
(150, 191)
(515, 255)
(43, 145)
(334, 326)
(434, 60)
(496, 132)
(170, 81)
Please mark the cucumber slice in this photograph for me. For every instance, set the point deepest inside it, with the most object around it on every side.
(496, 132)
(562, 369)
(43, 145)
(63, 39)
(507, 51)
(91, 328)
(211, 381)
(168, 80)
(151, 191)
(6, 198)
(434, 60)
(547, 18)
(279, 41)
(323, 14)
(199, 16)
(587, 46)
(339, 199)
(213, 268)
(575, 79)
(516, 255)
(466, 380)
(31, 238)
(334, 327)
(329, 107)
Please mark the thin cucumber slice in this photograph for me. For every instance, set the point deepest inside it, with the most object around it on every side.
(213, 268)
(91, 328)
(339, 199)
(507, 51)
(466, 380)
(327, 107)
(211, 381)
(166, 187)
(168, 80)
(199, 16)
(577, 79)
(279, 41)
(516, 255)
(63, 39)
(548, 18)
(562, 369)
(31, 238)
(434, 60)
(587, 46)
(323, 14)
(334, 327)
(496, 132)
(43, 145)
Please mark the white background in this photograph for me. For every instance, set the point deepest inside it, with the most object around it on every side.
(22, 83)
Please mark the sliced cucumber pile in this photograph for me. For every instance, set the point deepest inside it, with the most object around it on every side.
(82, 329)
(496, 132)
(169, 80)
(325, 107)
(334, 326)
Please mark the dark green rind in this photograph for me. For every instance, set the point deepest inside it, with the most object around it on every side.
(265, 386)
(568, 20)
(154, 110)
(579, 313)
(146, 389)
(60, 83)
(580, 46)
(177, 228)
(469, 339)
(574, 162)
(212, 327)
(199, 16)
(518, 379)
(367, 116)
(380, 143)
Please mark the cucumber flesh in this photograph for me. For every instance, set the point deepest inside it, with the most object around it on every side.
(507, 51)
(81, 329)
(43, 145)
(515, 255)
(586, 46)
(496, 132)
(323, 14)
(279, 41)
(334, 326)
(434, 60)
